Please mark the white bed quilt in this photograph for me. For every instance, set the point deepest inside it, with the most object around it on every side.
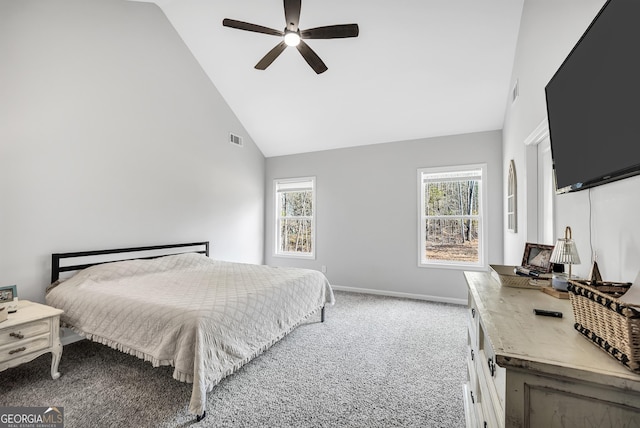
(204, 317)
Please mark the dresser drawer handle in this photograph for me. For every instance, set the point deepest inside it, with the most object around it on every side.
(473, 400)
(473, 357)
(492, 366)
(15, 351)
(17, 335)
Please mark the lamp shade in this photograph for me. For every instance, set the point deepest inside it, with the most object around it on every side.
(565, 251)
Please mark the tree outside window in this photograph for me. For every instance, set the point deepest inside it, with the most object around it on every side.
(295, 220)
(451, 218)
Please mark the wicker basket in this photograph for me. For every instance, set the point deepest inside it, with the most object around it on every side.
(507, 278)
(611, 325)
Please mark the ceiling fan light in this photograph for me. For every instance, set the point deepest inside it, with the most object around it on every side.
(292, 39)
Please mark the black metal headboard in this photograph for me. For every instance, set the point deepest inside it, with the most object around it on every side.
(56, 258)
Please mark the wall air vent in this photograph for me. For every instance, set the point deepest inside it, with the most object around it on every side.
(234, 139)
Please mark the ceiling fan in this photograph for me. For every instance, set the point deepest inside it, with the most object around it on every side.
(293, 36)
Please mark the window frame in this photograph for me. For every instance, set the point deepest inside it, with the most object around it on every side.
(482, 264)
(512, 198)
(276, 249)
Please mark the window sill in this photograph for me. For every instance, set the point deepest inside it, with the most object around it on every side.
(296, 256)
(454, 266)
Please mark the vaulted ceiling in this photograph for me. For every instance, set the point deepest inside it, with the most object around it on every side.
(419, 68)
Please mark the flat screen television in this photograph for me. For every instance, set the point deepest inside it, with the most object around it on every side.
(593, 102)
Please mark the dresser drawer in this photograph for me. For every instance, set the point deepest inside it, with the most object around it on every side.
(492, 379)
(492, 415)
(472, 410)
(495, 375)
(24, 347)
(472, 376)
(25, 331)
(472, 322)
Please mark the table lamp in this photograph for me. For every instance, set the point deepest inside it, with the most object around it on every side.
(566, 253)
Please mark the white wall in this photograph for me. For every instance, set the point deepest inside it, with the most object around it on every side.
(112, 135)
(548, 31)
(367, 232)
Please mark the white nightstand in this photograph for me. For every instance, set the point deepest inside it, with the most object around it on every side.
(28, 333)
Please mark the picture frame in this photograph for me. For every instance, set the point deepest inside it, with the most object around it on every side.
(537, 257)
(8, 293)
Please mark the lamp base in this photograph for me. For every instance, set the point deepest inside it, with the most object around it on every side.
(560, 282)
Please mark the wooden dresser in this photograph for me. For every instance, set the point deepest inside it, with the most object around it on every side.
(527, 370)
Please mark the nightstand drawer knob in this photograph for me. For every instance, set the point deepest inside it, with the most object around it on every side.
(17, 335)
(15, 351)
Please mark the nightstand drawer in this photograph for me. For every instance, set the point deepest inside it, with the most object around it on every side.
(24, 347)
(33, 330)
(25, 331)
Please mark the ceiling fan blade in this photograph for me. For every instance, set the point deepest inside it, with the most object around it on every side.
(331, 32)
(271, 56)
(232, 23)
(311, 57)
(292, 13)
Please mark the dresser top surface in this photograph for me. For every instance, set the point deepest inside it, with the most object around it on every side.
(522, 339)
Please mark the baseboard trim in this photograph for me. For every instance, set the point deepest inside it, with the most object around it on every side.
(454, 301)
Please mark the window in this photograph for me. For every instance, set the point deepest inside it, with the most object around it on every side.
(451, 217)
(295, 220)
(512, 199)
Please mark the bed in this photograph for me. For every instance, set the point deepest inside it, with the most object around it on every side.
(204, 317)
